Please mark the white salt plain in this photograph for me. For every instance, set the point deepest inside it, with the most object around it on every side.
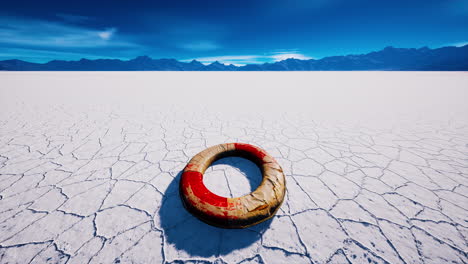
(376, 165)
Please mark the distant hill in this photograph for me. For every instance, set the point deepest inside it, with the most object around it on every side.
(388, 59)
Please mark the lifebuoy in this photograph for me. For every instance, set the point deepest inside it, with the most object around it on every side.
(238, 212)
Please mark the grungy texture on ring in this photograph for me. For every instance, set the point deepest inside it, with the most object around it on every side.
(238, 212)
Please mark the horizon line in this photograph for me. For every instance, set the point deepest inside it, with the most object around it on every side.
(227, 63)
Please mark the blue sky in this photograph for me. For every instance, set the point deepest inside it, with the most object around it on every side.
(238, 32)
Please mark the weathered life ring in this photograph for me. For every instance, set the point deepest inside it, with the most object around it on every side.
(238, 212)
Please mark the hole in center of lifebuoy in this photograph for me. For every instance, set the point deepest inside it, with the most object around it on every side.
(232, 177)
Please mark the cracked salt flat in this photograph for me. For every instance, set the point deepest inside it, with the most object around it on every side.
(376, 166)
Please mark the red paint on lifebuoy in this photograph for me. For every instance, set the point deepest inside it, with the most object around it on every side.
(251, 149)
(194, 181)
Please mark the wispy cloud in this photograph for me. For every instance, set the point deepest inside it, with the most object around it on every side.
(286, 55)
(107, 34)
(41, 33)
(459, 44)
(254, 59)
(39, 40)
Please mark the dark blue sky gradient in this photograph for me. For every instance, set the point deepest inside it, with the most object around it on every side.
(229, 31)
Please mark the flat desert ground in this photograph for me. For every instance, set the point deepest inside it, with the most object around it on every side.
(376, 166)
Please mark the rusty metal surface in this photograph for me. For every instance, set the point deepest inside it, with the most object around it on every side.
(238, 212)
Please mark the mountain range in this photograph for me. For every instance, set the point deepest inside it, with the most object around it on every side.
(388, 59)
